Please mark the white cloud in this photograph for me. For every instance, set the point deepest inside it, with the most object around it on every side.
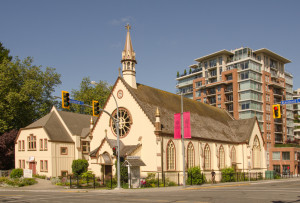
(123, 20)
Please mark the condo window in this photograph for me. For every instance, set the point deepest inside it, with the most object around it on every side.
(276, 168)
(285, 155)
(276, 156)
(220, 61)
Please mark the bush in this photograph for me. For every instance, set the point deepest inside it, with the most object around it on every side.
(195, 174)
(228, 175)
(39, 176)
(79, 166)
(16, 173)
(108, 183)
(20, 182)
(88, 174)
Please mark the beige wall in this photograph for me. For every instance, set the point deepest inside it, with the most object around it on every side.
(141, 129)
(56, 161)
(62, 162)
(37, 154)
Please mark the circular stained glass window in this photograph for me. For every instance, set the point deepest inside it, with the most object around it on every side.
(125, 122)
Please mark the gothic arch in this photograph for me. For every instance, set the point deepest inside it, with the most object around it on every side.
(221, 157)
(207, 157)
(256, 159)
(171, 156)
(190, 155)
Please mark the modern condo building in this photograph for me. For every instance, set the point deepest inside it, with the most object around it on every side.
(246, 83)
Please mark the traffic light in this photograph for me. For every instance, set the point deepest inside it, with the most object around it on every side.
(276, 111)
(65, 99)
(96, 108)
(115, 151)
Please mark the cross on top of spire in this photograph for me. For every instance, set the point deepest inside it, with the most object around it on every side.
(128, 27)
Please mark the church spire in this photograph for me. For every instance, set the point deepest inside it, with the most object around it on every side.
(128, 60)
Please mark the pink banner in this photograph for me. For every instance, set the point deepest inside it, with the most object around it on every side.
(187, 125)
(177, 126)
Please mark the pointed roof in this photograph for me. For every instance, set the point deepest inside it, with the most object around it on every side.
(207, 122)
(128, 53)
(124, 149)
(77, 124)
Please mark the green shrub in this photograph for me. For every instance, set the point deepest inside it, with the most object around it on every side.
(171, 183)
(228, 175)
(108, 183)
(79, 166)
(40, 176)
(16, 173)
(195, 175)
(88, 174)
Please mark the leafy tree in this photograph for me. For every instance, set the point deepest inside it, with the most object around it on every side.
(25, 92)
(7, 150)
(190, 71)
(88, 92)
(79, 166)
(4, 53)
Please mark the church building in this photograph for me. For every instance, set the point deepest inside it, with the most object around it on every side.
(146, 129)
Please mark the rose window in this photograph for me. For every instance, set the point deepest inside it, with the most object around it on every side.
(125, 122)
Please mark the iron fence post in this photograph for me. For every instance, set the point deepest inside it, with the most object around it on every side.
(158, 180)
(178, 179)
(77, 181)
(70, 182)
(111, 181)
(94, 182)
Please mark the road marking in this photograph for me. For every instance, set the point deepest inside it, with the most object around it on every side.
(219, 186)
(11, 195)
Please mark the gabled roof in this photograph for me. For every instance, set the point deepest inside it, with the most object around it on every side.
(76, 123)
(124, 149)
(53, 127)
(207, 122)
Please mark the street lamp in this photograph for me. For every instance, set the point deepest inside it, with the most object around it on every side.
(118, 136)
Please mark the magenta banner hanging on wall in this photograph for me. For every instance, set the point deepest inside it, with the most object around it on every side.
(177, 126)
(187, 125)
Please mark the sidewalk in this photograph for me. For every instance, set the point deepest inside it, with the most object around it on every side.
(47, 186)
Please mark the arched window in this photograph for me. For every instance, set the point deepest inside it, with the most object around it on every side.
(222, 157)
(256, 153)
(233, 156)
(206, 157)
(190, 156)
(170, 156)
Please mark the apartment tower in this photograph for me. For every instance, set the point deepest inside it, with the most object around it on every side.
(246, 83)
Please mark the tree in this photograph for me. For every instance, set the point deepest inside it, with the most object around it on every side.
(88, 92)
(7, 150)
(25, 92)
(79, 166)
(4, 53)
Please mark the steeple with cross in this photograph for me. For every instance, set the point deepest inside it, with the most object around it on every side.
(128, 60)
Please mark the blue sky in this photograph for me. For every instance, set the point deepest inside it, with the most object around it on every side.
(86, 38)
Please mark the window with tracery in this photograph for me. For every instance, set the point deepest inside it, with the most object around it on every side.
(170, 156)
(233, 156)
(190, 156)
(256, 153)
(207, 158)
(125, 122)
(222, 157)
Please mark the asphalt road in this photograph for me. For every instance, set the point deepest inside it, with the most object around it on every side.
(287, 191)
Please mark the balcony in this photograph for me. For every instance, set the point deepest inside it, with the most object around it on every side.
(278, 139)
(228, 90)
(212, 67)
(278, 121)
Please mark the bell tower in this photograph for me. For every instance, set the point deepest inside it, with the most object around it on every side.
(128, 61)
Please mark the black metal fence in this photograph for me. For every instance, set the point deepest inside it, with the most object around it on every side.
(82, 182)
